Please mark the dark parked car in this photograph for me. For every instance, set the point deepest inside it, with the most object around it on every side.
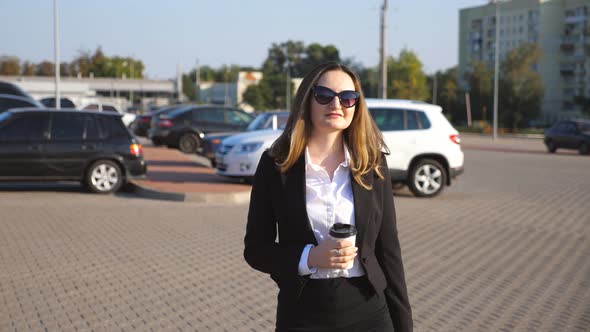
(185, 127)
(265, 120)
(13, 101)
(49, 102)
(58, 145)
(7, 88)
(141, 125)
(569, 134)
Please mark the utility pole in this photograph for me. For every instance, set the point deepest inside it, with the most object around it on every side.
(383, 60)
(197, 82)
(496, 72)
(131, 77)
(179, 81)
(288, 83)
(434, 88)
(56, 47)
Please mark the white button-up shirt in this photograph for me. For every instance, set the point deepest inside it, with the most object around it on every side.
(328, 202)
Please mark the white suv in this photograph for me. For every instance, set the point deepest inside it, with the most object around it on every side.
(425, 151)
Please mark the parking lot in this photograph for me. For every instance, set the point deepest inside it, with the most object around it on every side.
(505, 248)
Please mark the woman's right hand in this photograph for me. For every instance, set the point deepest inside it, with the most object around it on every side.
(331, 254)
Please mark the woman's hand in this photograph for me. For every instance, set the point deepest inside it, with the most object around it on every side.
(332, 254)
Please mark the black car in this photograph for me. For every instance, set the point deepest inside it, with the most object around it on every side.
(569, 134)
(63, 102)
(7, 88)
(141, 125)
(8, 101)
(184, 127)
(58, 145)
(265, 120)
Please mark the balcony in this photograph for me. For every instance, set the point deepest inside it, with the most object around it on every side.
(575, 19)
(567, 68)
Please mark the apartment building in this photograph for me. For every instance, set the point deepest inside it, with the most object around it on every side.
(559, 27)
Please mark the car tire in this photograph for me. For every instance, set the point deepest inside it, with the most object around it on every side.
(584, 149)
(427, 178)
(188, 143)
(104, 177)
(551, 146)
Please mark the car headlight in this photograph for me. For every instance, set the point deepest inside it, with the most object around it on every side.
(248, 147)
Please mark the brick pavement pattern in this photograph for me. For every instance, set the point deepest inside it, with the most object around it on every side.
(506, 248)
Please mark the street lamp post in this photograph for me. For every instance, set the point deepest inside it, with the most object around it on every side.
(56, 47)
(496, 72)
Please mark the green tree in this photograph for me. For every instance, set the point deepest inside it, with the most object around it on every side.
(10, 66)
(521, 88)
(188, 86)
(258, 96)
(28, 69)
(479, 80)
(45, 68)
(407, 80)
(448, 94)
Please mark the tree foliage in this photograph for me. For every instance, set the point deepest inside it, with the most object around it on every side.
(10, 66)
(480, 81)
(294, 57)
(521, 88)
(406, 78)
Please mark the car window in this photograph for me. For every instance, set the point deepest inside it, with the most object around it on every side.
(214, 115)
(584, 127)
(67, 127)
(92, 131)
(237, 117)
(24, 127)
(112, 126)
(109, 109)
(282, 120)
(388, 119)
(412, 120)
(423, 120)
(8, 103)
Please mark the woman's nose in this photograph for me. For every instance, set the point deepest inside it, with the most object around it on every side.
(335, 102)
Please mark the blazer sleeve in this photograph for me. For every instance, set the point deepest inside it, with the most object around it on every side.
(388, 253)
(261, 249)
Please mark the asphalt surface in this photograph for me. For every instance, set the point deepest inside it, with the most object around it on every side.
(505, 248)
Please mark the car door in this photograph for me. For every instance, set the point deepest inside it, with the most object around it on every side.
(570, 134)
(391, 123)
(67, 151)
(22, 144)
(209, 120)
(236, 120)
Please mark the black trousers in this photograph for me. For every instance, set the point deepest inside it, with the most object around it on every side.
(339, 304)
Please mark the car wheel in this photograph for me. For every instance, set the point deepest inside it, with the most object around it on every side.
(104, 177)
(188, 143)
(551, 146)
(584, 149)
(427, 178)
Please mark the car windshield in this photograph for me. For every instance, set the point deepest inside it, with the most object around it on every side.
(264, 121)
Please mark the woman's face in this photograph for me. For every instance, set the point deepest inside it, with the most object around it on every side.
(332, 116)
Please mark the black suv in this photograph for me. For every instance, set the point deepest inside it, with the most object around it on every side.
(569, 134)
(185, 127)
(57, 145)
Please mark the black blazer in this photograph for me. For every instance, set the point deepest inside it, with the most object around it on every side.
(278, 203)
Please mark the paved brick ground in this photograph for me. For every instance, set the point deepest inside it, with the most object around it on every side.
(506, 248)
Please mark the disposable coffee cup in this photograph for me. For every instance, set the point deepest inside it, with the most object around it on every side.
(347, 232)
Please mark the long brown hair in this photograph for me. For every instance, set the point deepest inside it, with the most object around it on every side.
(363, 138)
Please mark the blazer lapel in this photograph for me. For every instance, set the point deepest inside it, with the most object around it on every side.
(362, 207)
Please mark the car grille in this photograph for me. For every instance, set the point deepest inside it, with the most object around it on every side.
(224, 149)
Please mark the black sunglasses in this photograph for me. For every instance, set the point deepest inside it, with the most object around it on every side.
(324, 96)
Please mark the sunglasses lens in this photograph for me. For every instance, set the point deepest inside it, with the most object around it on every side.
(323, 95)
(348, 98)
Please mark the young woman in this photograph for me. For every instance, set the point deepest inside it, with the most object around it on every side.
(326, 168)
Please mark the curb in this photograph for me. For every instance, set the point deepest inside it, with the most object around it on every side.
(216, 198)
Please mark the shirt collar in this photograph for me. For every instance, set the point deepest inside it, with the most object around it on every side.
(345, 163)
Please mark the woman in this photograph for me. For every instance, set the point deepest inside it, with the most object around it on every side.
(328, 167)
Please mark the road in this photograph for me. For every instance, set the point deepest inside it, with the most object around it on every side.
(505, 248)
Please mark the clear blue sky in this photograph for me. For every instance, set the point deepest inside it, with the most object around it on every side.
(166, 32)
